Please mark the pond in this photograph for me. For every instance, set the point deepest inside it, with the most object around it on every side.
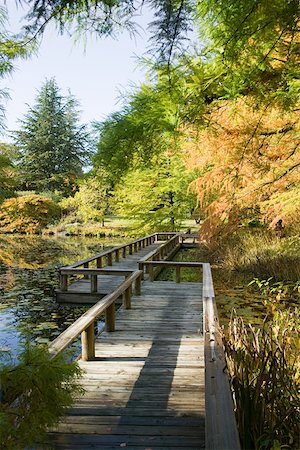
(232, 290)
(29, 276)
(28, 279)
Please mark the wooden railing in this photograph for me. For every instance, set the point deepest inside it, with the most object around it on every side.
(92, 274)
(115, 253)
(220, 428)
(107, 258)
(164, 251)
(177, 265)
(86, 323)
(220, 425)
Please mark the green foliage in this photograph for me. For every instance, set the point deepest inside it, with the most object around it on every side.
(11, 48)
(146, 126)
(103, 17)
(29, 213)
(277, 294)
(7, 183)
(264, 369)
(35, 393)
(156, 197)
(259, 45)
(90, 202)
(53, 146)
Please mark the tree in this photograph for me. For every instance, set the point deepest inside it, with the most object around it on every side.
(249, 163)
(11, 47)
(156, 197)
(91, 201)
(257, 43)
(35, 393)
(53, 146)
(147, 125)
(8, 172)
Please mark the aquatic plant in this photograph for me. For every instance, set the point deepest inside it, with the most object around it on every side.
(264, 369)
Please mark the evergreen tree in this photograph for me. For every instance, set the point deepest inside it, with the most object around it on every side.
(53, 146)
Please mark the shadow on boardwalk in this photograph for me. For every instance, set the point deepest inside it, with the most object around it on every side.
(146, 388)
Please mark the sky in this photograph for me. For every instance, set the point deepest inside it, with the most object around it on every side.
(95, 72)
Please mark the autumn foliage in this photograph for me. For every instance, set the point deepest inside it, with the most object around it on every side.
(249, 163)
(28, 213)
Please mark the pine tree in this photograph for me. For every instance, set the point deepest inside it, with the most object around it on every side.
(53, 145)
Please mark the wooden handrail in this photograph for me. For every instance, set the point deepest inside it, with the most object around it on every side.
(94, 271)
(220, 424)
(176, 264)
(112, 250)
(85, 324)
(157, 251)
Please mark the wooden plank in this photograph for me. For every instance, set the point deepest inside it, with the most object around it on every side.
(94, 439)
(221, 428)
(152, 369)
(72, 332)
(149, 373)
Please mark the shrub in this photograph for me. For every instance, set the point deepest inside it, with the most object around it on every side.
(34, 395)
(28, 213)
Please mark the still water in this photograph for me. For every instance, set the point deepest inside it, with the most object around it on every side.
(28, 278)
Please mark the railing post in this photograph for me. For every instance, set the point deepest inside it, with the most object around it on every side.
(63, 282)
(110, 317)
(177, 274)
(109, 259)
(137, 285)
(117, 255)
(124, 252)
(130, 249)
(151, 272)
(86, 266)
(88, 343)
(135, 246)
(127, 298)
(141, 267)
(94, 283)
(99, 262)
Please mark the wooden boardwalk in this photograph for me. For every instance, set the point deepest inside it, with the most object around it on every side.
(145, 388)
(155, 379)
(79, 290)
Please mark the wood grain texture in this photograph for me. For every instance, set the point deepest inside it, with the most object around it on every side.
(145, 387)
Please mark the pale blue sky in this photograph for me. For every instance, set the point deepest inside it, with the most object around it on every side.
(95, 73)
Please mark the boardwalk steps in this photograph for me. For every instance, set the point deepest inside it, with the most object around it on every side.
(154, 379)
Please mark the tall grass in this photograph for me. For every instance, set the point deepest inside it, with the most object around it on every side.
(261, 254)
(264, 368)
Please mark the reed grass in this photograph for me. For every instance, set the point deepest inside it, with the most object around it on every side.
(264, 369)
(261, 254)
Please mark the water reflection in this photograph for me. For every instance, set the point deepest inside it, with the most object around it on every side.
(28, 277)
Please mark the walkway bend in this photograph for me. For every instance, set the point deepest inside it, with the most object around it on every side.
(155, 379)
